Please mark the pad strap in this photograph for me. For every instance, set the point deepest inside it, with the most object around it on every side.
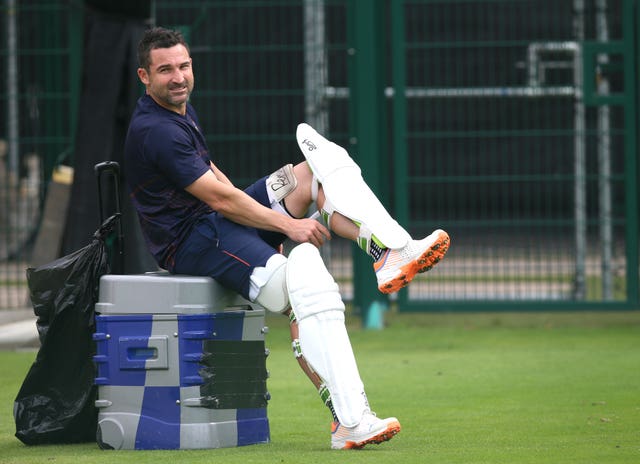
(295, 346)
(314, 189)
(327, 212)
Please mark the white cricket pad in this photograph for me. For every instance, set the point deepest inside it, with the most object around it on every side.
(346, 190)
(319, 310)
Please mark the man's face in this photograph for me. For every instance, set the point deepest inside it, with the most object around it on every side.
(169, 80)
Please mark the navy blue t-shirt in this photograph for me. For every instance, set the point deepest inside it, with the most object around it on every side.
(164, 153)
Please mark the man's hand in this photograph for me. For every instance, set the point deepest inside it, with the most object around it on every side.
(308, 230)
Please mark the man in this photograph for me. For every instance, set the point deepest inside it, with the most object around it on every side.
(196, 222)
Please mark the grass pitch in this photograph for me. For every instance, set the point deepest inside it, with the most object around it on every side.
(467, 388)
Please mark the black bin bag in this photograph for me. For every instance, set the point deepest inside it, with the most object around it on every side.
(56, 403)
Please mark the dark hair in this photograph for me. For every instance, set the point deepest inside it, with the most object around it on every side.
(157, 37)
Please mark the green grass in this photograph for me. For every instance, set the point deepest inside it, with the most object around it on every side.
(469, 388)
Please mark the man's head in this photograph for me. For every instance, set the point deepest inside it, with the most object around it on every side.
(165, 68)
(157, 37)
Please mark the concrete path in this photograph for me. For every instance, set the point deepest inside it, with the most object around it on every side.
(18, 329)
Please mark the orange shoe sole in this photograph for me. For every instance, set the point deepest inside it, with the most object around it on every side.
(392, 429)
(424, 263)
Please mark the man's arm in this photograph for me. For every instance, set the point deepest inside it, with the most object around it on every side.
(219, 174)
(237, 206)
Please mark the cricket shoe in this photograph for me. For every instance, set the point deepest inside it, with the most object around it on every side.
(370, 430)
(396, 268)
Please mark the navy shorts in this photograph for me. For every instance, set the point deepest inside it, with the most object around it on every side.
(226, 251)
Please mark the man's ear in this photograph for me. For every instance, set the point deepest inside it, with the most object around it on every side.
(143, 76)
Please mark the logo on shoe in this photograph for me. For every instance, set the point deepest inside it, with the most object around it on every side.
(311, 146)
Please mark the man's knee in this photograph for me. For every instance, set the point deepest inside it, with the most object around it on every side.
(292, 189)
(270, 283)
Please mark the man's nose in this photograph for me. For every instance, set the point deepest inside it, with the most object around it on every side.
(178, 76)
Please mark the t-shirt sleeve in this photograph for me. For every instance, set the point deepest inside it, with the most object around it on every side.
(175, 154)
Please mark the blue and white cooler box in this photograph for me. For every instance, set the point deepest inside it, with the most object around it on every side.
(181, 364)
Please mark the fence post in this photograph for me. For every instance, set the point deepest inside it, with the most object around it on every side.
(630, 28)
(76, 49)
(368, 135)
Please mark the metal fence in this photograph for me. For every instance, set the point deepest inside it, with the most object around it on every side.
(509, 123)
(40, 51)
(516, 123)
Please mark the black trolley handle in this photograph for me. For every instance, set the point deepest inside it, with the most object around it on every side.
(111, 168)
